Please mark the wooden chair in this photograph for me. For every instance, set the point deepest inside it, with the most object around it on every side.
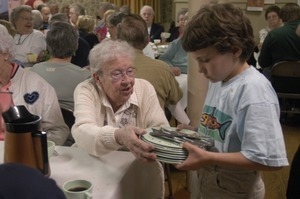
(285, 78)
(69, 120)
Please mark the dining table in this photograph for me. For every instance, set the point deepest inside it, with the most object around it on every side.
(116, 175)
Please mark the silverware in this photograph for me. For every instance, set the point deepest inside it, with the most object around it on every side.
(179, 138)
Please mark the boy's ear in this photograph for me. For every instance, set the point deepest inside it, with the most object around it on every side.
(237, 52)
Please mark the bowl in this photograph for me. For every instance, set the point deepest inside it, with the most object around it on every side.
(165, 35)
(51, 147)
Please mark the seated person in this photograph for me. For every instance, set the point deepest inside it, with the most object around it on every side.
(8, 25)
(32, 91)
(80, 57)
(27, 40)
(19, 181)
(113, 21)
(113, 108)
(272, 15)
(282, 44)
(45, 11)
(175, 56)
(85, 25)
(154, 30)
(177, 31)
(62, 43)
(133, 30)
(75, 11)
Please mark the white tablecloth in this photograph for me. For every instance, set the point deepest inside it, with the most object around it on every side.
(177, 110)
(114, 176)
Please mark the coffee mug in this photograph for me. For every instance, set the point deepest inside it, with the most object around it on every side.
(78, 189)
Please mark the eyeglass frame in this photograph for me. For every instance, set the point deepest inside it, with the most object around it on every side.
(118, 75)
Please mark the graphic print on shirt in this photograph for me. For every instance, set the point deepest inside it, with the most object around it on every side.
(214, 123)
(129, 116)
(30, 98)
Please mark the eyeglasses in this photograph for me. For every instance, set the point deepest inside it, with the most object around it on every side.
(117, 75)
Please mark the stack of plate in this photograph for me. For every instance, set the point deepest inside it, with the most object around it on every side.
(167, 151)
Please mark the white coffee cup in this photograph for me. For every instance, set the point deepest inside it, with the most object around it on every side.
(156, 41)
(78, 189)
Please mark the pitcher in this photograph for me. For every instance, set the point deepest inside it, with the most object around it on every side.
(24, 142)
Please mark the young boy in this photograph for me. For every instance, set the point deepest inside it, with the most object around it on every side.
(241, 111)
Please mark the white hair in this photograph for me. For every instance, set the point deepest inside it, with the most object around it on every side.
(6, 42)
(104, 53)
(147, 7)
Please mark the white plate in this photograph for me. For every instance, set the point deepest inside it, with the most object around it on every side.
(171, 157)
(169, 161)
(161, 142)
(167, 149)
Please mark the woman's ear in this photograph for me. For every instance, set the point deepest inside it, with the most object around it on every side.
(97, 79)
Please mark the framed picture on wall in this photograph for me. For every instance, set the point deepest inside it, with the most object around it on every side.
(255, 5)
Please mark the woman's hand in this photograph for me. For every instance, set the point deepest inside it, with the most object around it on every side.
(129, 136)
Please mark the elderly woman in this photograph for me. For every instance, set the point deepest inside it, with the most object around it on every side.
(30, 90)
(75, 10)
(112, 109)
(27, 40)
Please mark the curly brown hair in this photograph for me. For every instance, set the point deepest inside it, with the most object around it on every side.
(222, 26)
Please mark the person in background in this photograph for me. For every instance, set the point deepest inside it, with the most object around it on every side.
(32, 91)
(177, 31)
(75, 10)
(112, 22)
(103, 32)
(85, 25)
(8, 25)
(80, 58)
(272, 16)
(65, 10)
(240, 112)
(62, 43)
(133, 30)
(37, 19)
(103, 7)
(19, 181)
(54, 8)
(175, 56)
(113, 108)
(45, 11)
(27, 40)
(282, 44)
(154, 30)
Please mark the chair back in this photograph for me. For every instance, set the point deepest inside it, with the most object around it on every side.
(69, 120)
(285, 77)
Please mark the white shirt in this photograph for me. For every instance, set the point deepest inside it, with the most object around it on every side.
(34, 42)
